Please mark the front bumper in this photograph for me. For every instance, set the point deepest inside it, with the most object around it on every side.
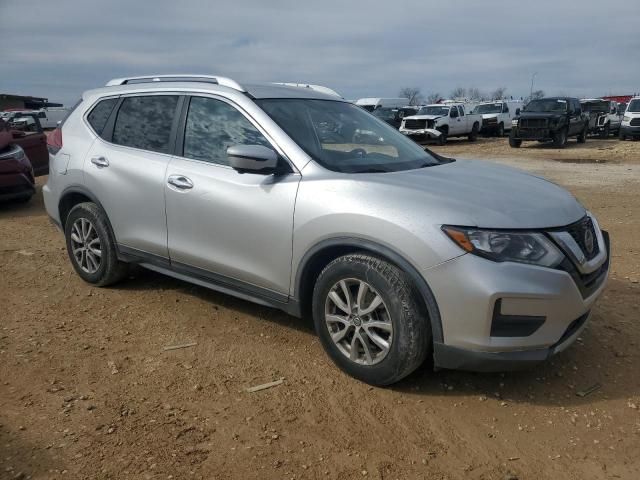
(15, 186)
(520, 292)
(426, 133)
(629, 130)
(542, 134)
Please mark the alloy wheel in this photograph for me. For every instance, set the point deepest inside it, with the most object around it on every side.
(358, 321)
(85, 245)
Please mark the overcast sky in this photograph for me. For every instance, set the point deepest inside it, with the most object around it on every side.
(58, 48)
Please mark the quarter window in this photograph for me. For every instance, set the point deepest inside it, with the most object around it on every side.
(145, 122)
(100, 114)
(213, 126)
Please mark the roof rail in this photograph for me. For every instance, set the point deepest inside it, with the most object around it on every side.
(317, 88)
(181, 77)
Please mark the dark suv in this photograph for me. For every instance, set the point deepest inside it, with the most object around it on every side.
(550, 120)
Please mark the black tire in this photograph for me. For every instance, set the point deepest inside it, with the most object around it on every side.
(411, 337)
(473, 136)
(501, 130)
(514, 142)
(560, 138)
(582, 137)
(442, 139)
(606, 131)
(110, 270)
(622, 136)
(24, 199)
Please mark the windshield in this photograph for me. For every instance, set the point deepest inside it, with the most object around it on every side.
(488, 108)
(549, 105)
(634, 106)
(595, 106)
(386, 114)
(344, 138)
(434, 110)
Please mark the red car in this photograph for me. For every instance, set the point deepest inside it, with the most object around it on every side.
(16, 173)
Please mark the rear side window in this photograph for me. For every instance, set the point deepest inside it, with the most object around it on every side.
(212, 127)
(100, 114)
(145, 122)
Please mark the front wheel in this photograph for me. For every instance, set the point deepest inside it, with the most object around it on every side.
(606, 131)
(91, 246)
(370, 320)
(473, 136)
(514, 142)
(560, 138)
(501, 130)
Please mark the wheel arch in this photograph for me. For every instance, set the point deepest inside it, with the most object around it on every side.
(321, 254)
(74, 195)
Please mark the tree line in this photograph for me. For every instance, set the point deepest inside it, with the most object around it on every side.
(416, 97)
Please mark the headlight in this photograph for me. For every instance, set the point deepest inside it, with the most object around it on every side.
(626, 118)
(20, 156)
(504, 246)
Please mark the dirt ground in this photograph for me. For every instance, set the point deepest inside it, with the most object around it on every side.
(87, 390)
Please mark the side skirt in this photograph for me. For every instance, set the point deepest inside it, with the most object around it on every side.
(213, 281)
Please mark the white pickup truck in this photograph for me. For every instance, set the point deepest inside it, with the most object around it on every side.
(439, 122)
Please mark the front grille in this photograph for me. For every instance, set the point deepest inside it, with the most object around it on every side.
(635, 122)
(533, 123)
(588, 283)
(412, 124)
(580, 231)
(602, 120)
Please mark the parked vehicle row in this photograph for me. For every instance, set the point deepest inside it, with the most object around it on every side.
(48, 117)
(265, 193)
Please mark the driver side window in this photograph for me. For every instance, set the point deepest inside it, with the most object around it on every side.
(454, 112)
(212, 126)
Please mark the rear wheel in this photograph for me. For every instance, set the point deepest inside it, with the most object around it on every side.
(473, 136)
(370, 320)
(582, 138)
(91, 246)
(560, 138)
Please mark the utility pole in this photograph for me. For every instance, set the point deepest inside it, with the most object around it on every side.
(531, 91)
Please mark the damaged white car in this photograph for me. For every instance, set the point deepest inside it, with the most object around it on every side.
(438, 122)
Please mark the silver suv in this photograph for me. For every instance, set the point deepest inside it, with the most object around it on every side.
(291, 197)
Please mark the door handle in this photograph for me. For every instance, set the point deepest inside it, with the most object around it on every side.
(180, 181)
(100, 162)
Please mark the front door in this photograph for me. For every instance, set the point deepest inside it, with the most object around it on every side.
(235, 228)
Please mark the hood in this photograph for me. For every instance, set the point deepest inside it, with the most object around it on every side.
(481, 194)
(423, 117)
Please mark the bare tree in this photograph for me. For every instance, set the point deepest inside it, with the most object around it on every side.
(535, 95)
(413, 94)
(499, 93)
(474, 94)
(434, 98)
(458, 92)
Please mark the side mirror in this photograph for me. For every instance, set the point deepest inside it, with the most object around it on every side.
(252, 159)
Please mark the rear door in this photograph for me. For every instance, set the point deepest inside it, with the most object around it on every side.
(235, 228)
(576, 123)
(126, 167)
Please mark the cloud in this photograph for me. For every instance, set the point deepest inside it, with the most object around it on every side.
(372, 48)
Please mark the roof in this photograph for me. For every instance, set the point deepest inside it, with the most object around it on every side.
(214, 84)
